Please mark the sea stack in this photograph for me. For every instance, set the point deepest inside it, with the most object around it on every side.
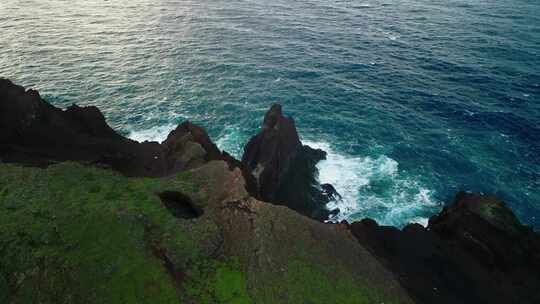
(284, 169)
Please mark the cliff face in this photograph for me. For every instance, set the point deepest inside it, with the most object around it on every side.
(195, 233)
(34, 132)
(474, 251)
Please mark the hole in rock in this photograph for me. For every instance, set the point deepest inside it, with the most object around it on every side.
(179, 205)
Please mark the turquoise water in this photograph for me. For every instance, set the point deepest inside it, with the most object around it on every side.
(412, 99)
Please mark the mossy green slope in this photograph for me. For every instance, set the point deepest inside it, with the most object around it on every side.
(76, 234)
(73, 234)
(289, 258)
(214, 281)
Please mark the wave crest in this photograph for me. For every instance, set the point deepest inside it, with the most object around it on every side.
(158, 133)
(374, 187)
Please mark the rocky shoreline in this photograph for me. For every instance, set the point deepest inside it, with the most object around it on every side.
(474, 251)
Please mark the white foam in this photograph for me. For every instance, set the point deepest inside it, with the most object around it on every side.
(391, 36)
(373, 187)
(158, 133)
(420, 220)
(229, 141)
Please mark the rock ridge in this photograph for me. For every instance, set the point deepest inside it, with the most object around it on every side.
(474, 251)
(36, 133)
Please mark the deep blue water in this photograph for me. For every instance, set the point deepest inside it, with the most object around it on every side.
(413, 99)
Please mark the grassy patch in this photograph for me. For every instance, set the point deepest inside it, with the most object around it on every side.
(315, 285)
(215, 281)
(72, 234)
(305, 283)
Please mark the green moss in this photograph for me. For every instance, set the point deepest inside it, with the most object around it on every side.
(305, 283)
(213, 281)
(314, 285)
(185, 177)
(72, 234)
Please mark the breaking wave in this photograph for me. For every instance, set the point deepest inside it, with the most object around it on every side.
(374, 187)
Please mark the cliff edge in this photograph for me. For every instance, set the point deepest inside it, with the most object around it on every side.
(88, 216)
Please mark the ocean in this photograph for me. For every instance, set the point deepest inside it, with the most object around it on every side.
(412, 99)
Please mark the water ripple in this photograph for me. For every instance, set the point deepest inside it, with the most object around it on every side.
(447, 90)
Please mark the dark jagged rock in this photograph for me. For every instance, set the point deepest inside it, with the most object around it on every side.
(489, 231)
(474, 251)
(36, 133)
(270, 153)
(330, 192)
(285, 170)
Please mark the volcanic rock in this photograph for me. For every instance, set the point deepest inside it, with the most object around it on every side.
(285, 170)
(34, 132)
(474, 251)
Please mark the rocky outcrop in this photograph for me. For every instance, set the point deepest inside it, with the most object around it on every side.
(474, 251)
(190, 143)
(285, 170)
(287, 257)
(34, 132)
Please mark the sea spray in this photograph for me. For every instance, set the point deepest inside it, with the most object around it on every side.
(157, 134)
(374, 187)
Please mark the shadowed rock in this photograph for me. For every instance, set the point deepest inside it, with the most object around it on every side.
(36, 133)
(285, 170)
(474, 251)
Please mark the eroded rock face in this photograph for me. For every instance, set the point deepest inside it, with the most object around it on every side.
(34, 132)
(284, 169)
(474, 251)
(287, 257)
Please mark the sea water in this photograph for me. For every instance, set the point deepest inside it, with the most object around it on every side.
(412, 99)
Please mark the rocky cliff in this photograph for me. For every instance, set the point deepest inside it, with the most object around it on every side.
(189, 232)
(474, 251)
(34, 132)
(182, 222)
